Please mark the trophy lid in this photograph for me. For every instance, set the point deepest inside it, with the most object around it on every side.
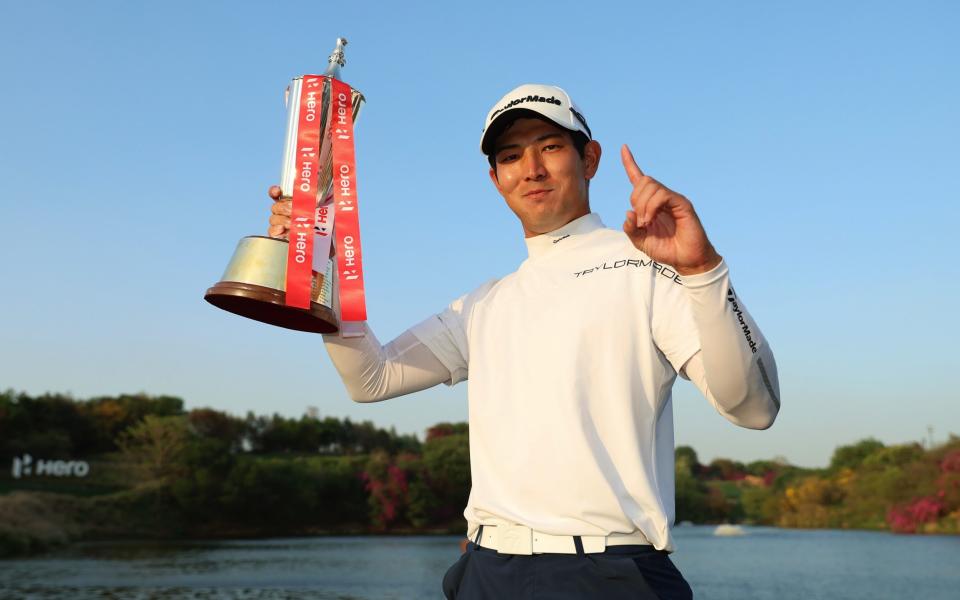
(337, 59)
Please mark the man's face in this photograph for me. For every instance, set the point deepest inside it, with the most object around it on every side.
(541, 175)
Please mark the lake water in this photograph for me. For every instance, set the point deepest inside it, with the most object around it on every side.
(766, 563)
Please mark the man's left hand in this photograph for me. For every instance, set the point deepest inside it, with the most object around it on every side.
(663, 224)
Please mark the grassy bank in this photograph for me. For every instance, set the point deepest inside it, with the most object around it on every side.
(32, 521)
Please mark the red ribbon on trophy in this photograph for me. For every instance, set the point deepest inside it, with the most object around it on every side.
(353, 305)
(303, 218)
(303, 211)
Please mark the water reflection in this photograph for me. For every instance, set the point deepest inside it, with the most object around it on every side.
(764, 563)
(146, 593)
(354, 568)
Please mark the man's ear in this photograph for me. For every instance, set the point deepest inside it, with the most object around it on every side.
(495, 180)
(591, 158)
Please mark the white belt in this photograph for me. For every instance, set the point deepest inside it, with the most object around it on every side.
(518, 539)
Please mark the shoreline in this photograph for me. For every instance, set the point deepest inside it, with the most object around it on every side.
(35, 523)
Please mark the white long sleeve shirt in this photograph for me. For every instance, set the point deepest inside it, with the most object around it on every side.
(570, 362)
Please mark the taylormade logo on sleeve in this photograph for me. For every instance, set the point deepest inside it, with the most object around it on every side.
(747, 334)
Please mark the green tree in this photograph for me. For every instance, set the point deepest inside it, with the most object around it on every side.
(761, 468)
(760, 505)
(444, 429)
(271, 493)
(726, 469)
(439, 492)
(341, 497)
(687, 456)
(49, 426)
(851, 456)
(198, 490)
(894, 456)
(156, 444)
(691, 493)
(214, 424)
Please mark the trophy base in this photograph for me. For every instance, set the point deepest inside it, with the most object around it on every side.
(267, 305)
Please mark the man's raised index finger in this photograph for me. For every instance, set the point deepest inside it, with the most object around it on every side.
(630, 165)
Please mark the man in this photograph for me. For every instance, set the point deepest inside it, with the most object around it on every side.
(570, 361)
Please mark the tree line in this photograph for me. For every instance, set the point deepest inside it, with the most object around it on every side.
(905, 488)
(205, 472)
(58, 425)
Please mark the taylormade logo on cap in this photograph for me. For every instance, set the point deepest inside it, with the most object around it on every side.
(546, 100)
(516, 101)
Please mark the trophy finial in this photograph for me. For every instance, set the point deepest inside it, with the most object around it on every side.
(337, 55)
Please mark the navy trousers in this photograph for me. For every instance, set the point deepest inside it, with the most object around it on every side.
(622, 572)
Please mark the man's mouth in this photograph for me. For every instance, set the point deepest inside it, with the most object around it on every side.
(536, 194)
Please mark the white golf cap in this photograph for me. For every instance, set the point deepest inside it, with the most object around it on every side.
(545, 100)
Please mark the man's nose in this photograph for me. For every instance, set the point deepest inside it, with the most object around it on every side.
(533, 166)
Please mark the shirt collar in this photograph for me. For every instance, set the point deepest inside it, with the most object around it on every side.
(541, 245)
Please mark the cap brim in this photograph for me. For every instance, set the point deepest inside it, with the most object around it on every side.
(505, 120)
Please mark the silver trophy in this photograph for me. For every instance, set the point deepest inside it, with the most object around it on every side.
(255, 280)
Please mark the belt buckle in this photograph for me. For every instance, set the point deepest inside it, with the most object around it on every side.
(514, 539)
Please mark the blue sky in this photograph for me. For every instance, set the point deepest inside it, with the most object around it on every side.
(818, 141)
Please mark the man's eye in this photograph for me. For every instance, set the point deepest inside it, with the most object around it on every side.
(551, 147)
(505, 158)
